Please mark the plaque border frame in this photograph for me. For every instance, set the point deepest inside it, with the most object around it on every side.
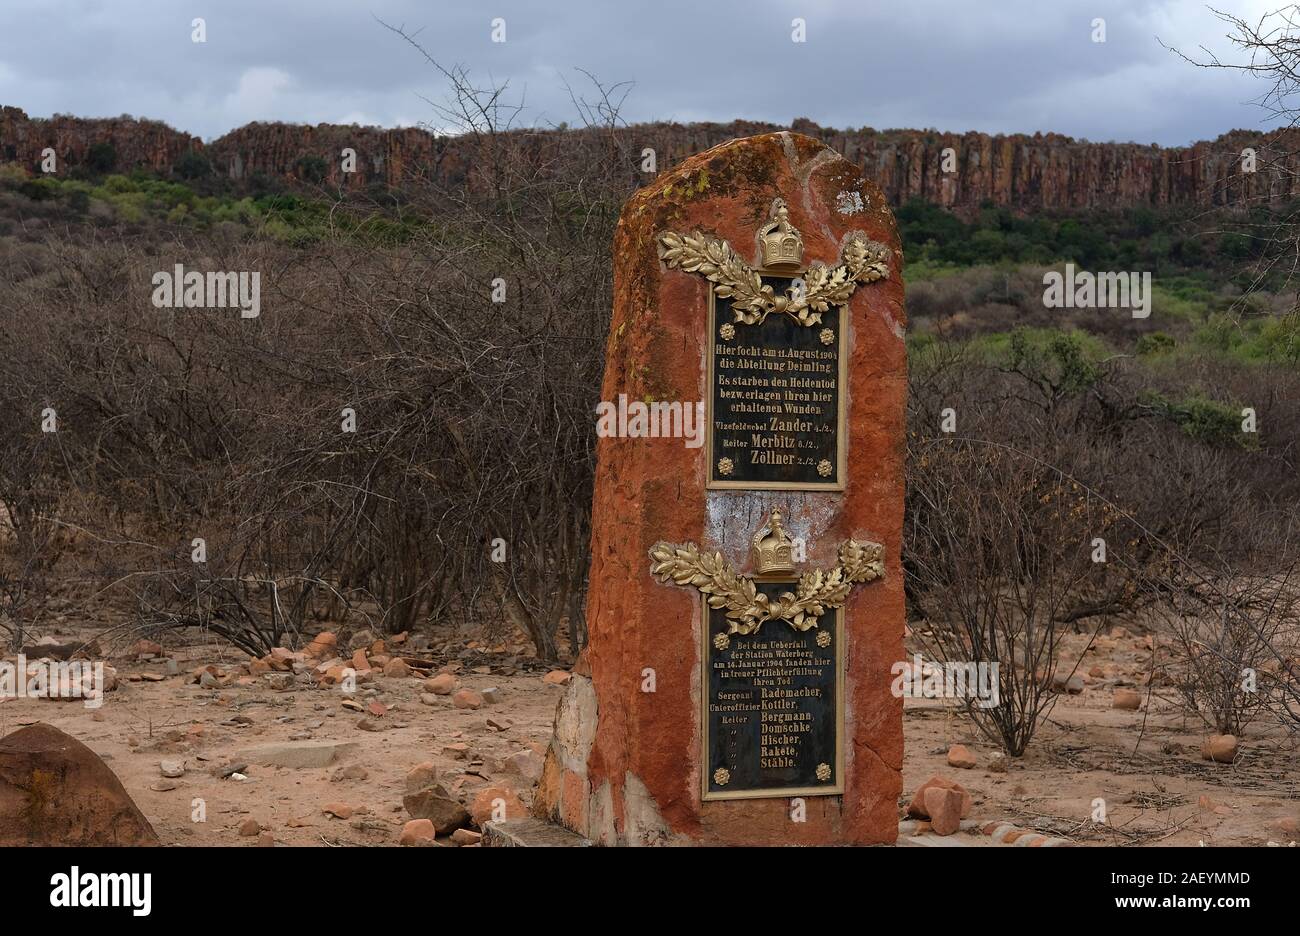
(841, 658)
(712, 482)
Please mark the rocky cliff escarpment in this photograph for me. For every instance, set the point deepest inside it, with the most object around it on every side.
(1024, 172)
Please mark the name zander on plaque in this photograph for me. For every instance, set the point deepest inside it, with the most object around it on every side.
(772, 721)
(775, 400)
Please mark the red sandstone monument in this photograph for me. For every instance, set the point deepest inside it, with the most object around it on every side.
(746, 598)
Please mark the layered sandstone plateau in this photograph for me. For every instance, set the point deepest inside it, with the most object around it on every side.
(1024, 172)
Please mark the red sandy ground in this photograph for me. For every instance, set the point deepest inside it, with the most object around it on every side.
(1086, 750)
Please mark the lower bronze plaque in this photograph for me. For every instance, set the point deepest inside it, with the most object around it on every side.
(773, 708)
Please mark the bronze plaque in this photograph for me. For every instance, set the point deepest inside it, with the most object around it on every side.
(775, 399)
(773, 707)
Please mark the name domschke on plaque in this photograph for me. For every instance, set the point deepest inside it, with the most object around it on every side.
(773, 714)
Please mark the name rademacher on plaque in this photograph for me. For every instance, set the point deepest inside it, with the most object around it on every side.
(773, 715)
(776, 375)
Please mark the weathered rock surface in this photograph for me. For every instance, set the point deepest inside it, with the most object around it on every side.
(1022, 171)
(56, 791)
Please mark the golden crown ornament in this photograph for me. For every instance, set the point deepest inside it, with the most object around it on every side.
(781, 247)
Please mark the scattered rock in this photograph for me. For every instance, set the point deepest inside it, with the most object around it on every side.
(1062, 681)
(467, 699)
(466, 837)
(338, 810)
(557, 677)
(266, 840)
(442, 684)
(417, 832)
(397, 668)
(171, 768)
(1220, 748)
(526, 764)
(944, 806)
(360, 640)
(960, 756)
(916, 808)
(368, 723)
(420, 777)
(492, 695)
(163, 786)
(1127, 699)
(146, 649)
(322, 646)
(250, 827)
(496, 802)
(349, 772)
(499, 724)
(297, 754)
(438, 806)
(428, 698)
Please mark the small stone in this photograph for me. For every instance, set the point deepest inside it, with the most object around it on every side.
(945, 807)
(420, 777)
(207, 680)
(500, 724)
(163, 786)
(526, 764)
(466, 837)
(145, 649)
(368, 723)
(360, 640)
(496, 802)
(916, 808)
(249, 827)
(397, 668)
(960, 756)
(1221, 749)
(1064, 682)
(442, 684)
(458, 750)
(266, 840)
(171, 768)
(466, 699)
(1128, 699)
(557, 677)
(377, 708)
(438, 806)
(338, 810)
(417, 832)
(428, 698)
(492, 695)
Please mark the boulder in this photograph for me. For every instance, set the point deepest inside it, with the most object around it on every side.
(56, 791)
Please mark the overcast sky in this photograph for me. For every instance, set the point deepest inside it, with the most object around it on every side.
(955, 65)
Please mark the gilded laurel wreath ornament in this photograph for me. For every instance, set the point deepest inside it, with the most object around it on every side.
(861, 261)
(816, 592)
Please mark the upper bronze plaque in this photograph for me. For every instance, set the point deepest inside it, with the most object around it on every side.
(776, 369)
(775, 405)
